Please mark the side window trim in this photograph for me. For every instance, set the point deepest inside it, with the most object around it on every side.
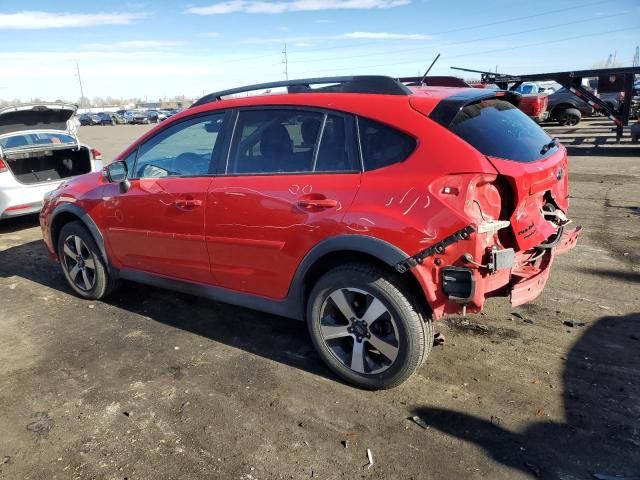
(316, 148)
(183, 120)
(233, 140)
(133, 164)
(357, 125)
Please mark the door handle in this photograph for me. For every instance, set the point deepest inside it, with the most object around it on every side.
(187, 203)
(317, 203)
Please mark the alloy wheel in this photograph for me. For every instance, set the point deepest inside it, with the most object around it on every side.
(359, 330)
(79, 263)
(569, 120)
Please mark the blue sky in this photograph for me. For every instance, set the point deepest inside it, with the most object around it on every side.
(157, 49)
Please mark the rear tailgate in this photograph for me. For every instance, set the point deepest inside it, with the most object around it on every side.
(534, 165)
(535, 185)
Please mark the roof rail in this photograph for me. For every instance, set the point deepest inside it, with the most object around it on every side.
(376, 84)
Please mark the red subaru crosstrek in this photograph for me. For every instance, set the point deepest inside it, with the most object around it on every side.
(366, 207)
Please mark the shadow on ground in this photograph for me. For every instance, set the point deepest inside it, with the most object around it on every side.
(11, 225)
(277, 338)
(601, 380)
(601, 432)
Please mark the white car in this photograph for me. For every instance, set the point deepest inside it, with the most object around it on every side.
(39, 149)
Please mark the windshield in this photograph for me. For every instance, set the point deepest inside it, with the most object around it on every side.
(31, 139)
(498, 129)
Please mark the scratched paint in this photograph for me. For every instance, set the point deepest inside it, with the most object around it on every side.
(405, 195)
(411, 206)
(358, 228)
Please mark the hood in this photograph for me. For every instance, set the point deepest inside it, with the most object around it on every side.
(41, 116)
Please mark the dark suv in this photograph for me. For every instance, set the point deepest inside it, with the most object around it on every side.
(364, 207)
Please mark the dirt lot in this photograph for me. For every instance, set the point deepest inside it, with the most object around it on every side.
(152, 384)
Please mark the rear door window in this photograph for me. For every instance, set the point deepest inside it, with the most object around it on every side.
(382, 145)
(271, 141)
(498, 129)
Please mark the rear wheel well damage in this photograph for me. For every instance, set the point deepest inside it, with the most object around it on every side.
(408, 282)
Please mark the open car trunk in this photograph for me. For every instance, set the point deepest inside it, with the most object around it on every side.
(49, 165)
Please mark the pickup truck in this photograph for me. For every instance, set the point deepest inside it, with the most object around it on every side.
(532, 103)
(568, 109)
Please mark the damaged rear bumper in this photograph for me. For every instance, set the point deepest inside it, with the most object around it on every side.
(521, 276)
(528, 281)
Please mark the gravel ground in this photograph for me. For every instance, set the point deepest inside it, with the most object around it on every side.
(152, 384)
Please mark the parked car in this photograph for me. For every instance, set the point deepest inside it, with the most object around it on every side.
(532, 102)
(106, 118)
(137, 117)
(568, 109)
(163, 115)
(38, 151)
(117, 118)
(153, 116)
(88, 119)
(174, 111)
(367, 215)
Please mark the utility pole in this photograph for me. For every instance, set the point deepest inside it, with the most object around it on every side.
(285, 62)
(636, 57)
(80, 82)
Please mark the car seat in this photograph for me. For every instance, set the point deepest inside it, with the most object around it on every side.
(276, 149)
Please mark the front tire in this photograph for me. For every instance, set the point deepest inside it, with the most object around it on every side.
(82, 263)
(569, 117)
(366, 328)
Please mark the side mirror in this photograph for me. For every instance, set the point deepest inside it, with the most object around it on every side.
(116, 172)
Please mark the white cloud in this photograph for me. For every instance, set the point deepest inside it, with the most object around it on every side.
(263, 6)
(210, 34)
(31, 20)
(132, 44)
(296, 41)
(386, 36)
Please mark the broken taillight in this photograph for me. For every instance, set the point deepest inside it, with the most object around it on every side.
(477, 196)
(97, 155)
(3, 166)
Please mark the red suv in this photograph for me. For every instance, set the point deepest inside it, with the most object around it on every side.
(363, 206)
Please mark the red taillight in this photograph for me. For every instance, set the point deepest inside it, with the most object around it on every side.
(477, 196)
(3, 166)
(96, 154)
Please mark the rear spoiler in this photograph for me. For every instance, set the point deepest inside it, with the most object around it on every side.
(448, 108)
(435, 81)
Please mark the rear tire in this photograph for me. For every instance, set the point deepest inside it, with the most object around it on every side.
(366, 328)
(569, 117)
(82, 263)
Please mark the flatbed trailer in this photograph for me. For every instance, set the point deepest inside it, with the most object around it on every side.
(572, 81)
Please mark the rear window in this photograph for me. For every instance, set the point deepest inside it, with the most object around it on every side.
(498, 129)
(31, 139)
